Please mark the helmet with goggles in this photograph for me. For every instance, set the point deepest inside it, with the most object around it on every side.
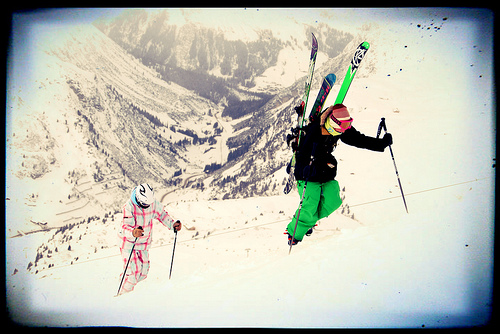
(338, 120)
(144, 195)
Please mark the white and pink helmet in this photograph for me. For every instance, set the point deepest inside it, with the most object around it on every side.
(338, 119)
(144, 195)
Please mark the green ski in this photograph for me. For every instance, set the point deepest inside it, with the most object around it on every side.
(351, 71)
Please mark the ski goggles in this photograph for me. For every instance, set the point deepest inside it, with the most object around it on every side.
(142, 204)
(342, 125)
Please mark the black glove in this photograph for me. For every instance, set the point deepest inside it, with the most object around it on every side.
(387, 139)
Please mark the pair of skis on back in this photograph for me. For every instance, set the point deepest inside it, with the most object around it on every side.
(294, 138)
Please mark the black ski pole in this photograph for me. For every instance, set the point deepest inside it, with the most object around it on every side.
(380, 127)
(173, 253)
(126, 266)
(302, 197)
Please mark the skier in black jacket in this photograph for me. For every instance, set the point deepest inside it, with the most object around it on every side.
(323, 192)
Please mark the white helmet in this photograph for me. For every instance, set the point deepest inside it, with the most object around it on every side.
(144, 194)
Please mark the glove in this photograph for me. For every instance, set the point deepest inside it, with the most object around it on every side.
(387, 139)
(138, 232)
(177, 226)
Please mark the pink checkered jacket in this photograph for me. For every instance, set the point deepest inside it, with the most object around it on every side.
(135, 216)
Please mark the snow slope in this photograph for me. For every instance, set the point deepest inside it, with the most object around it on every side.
(432, 267)
(69, 119)
(411, 272)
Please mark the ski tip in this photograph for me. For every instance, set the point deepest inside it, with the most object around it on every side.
(332, 77)
(314, 45)
(365, 45)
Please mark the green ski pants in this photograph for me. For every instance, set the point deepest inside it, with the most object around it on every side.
(320, 200)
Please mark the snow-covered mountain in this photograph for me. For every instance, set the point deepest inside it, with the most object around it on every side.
(182, 46)
(91, 113)
(91, 121)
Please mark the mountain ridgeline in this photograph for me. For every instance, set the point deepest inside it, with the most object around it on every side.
(203, 60)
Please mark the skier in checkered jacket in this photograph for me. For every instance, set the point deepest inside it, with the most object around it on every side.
(136, 232)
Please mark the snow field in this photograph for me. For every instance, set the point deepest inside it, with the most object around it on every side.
(430, 268)
(225, 252)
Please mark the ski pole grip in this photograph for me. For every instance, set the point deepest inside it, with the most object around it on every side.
(381, 126)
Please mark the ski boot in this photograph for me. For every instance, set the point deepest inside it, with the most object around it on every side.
(292, 242)
(310, 231)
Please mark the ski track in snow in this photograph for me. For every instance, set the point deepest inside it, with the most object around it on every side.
(432, 267)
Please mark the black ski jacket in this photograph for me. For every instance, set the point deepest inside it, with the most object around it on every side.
(324, 167)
